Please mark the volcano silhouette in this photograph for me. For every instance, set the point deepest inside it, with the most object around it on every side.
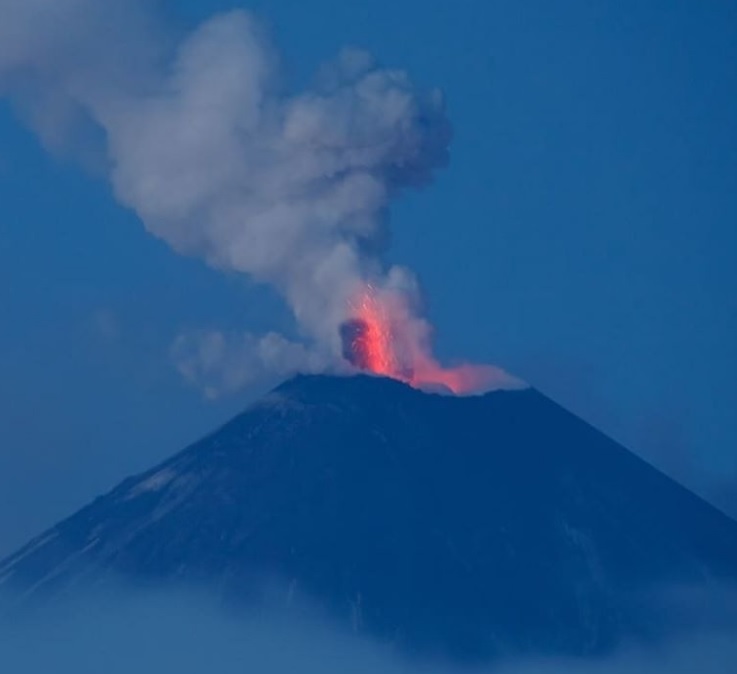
(477, 526)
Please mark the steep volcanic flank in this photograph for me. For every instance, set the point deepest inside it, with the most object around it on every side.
(477, 525)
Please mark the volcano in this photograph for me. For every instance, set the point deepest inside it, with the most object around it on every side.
(476, 526)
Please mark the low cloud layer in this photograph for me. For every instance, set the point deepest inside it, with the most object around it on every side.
(151, 633)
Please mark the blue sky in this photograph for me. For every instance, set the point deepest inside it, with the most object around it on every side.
(584, 237)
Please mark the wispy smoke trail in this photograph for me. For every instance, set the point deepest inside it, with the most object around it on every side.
(205, 144)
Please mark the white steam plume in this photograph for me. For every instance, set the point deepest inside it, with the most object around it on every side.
(202, 141)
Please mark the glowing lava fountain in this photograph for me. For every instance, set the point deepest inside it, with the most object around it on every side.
(385, 338)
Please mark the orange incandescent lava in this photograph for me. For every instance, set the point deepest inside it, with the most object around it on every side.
(391, 342)
(375, 343)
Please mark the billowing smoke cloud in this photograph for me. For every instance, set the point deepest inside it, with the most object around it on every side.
(202, 139)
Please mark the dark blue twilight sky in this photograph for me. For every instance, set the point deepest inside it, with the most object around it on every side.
(583, 237)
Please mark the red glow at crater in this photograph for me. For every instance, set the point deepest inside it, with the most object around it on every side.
(384, 338)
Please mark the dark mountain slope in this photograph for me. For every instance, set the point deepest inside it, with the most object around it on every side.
(479, 525)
